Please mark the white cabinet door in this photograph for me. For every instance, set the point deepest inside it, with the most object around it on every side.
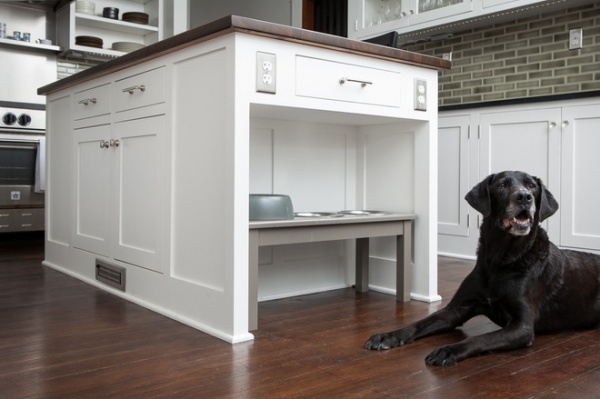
(453, 175)
(523, 140)
(139, 174)
(580, 176)
(92, 189)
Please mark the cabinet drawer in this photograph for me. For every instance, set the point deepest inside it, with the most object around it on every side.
(330, 80)
(141, 90)
(29, 219)
(6, 220)
(92, 102)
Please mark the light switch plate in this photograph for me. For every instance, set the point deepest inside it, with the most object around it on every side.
(266, 72)
(420, 95)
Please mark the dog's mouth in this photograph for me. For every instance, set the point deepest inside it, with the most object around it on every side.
(518, 225)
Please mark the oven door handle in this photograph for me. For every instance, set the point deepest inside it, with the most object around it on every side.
(11, 140)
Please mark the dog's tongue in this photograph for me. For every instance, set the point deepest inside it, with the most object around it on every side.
(520, 221)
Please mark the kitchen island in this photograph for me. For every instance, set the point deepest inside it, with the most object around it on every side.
(152, 156)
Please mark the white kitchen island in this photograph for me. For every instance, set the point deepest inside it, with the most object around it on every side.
(152, 156)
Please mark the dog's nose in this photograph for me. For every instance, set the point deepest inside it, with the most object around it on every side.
(524, 196)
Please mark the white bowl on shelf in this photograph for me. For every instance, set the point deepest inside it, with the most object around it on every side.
(85, 7)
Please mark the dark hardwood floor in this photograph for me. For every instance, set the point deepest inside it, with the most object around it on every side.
(61, 338)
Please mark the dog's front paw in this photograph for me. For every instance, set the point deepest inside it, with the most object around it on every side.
(385, 341)
(444, 356)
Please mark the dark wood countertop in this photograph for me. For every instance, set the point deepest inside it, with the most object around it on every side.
(234, 23)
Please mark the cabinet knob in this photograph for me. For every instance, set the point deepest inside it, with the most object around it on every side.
(104, 144)
(552, 125)
(565, 123)
(114, 143)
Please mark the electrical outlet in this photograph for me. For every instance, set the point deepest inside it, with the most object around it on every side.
(265, 72)
(420, 95)
(575, 39)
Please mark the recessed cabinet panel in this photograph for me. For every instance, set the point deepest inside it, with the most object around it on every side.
(139, 221)
(92, 189)
(140, 90)
(92, 102)
(345, 82)
(580, 177)
(453, 175)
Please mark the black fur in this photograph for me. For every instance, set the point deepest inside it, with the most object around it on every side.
(521, 281)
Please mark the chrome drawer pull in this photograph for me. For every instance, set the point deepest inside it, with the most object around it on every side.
(363, 83)
(132, 89)
(88, 101)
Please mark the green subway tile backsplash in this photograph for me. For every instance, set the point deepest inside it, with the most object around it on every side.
(527, 57)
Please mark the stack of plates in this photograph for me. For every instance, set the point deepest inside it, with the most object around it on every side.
(85, 7)
(89, 41)
(126, 47)
(136, 17)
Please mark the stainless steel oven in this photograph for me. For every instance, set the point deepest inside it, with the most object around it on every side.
(22, 166)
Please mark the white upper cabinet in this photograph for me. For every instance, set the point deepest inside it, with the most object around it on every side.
(369, 18)
(72, 22)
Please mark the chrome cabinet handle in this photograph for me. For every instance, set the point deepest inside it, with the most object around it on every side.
(104, 144)
(132, 89)
(552, 125)
(363, 83)
(87, 101)
(565, 123)
(114, 143)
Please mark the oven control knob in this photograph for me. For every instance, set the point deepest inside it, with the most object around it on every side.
(24, 119)
(9, 118)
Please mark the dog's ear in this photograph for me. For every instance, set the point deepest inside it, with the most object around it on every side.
(479, 197)
(545, 202)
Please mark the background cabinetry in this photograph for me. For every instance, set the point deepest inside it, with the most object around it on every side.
(368, 18)
(555, 142)
(72, 24)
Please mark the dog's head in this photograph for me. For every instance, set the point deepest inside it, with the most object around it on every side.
(514, 201)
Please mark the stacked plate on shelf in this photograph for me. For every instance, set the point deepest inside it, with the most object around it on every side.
(126, 47)
(85, 7)
(136, 17)
(89, 41)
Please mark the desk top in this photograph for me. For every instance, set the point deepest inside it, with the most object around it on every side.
(238, 24)
(321, 221)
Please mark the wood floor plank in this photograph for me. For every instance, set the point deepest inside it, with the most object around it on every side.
(61, 338)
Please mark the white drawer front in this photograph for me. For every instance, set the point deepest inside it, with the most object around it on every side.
(346, 82)
(92, 102)
(141, 90)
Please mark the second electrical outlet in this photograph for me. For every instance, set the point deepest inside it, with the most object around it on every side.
(265, 72)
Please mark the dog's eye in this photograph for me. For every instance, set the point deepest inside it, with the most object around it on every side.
(531, 185)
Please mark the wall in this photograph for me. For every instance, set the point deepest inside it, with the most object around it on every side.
(520, 59)
(23, 70)
(286, 12)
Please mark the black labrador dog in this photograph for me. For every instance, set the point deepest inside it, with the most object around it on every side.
(521, 281)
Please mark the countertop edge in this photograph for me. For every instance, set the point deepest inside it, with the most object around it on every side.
(524, 100)
(233, 23)
(311, 222)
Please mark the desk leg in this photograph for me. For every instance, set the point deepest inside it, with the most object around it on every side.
(362, 264)
(253, 280)
(403, 258)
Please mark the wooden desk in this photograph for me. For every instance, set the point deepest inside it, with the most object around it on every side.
(360, 228)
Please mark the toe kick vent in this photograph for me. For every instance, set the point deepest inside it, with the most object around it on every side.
(110, 274)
